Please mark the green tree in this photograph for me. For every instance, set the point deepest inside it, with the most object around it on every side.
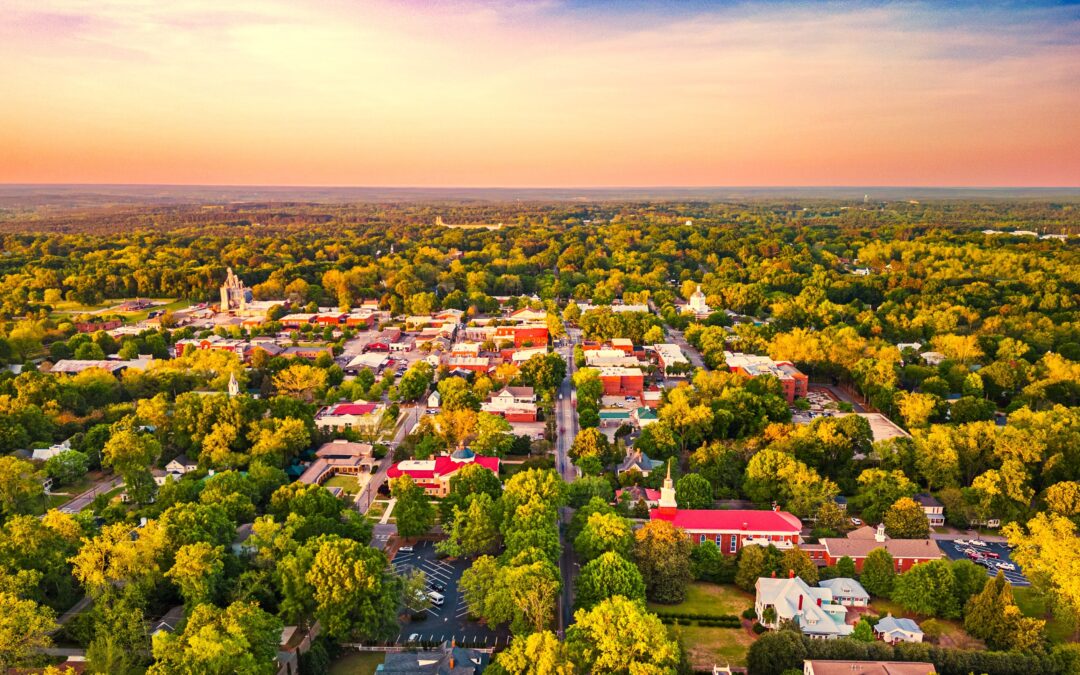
(414, 513)
(797, 560)
(878, 573)
(241, 638)
(414, 591)
(992, 616)
(20, 487)
(608, 575)
(863, 632)
(927, 589)
(592, 443)
(353, 591)
(67, 467)
(474, 529)
(693, 492)
(198, 572)
(120, 643)
(534, 654)
(493, 435)
(776, 652)
(604, 532)
(25, 627)
(906, 520)
(131, 453)
(878, 490)
(845, 567)
(639, 645)
(662, 553)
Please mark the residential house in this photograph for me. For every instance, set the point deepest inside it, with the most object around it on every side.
(434, 399)
(891, 629)
(847, 592)
(636, 493)
(514, 404)
(181, 465)
(934, 510)
(636, 460)
(811, 608)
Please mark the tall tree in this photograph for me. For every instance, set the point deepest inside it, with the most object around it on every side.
(662, 553)
(878, 573)
(413, 511)
(906, 520)
(607, 576)
(640, 644)
(241, 638)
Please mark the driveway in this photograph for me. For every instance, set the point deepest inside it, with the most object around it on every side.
(451, 620)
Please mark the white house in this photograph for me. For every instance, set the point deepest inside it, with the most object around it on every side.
(434, 400)
(44, 454)
(847, 592)
(812, 609)
(934, 510)
(181, 465)
(890, 629)
(932, 358)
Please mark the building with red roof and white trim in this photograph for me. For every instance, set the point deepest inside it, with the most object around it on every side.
(731, 530)
(434, 474)
(358, 415)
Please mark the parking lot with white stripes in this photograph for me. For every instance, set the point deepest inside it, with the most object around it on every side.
(450, 621)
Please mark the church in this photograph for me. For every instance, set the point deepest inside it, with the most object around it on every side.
(731, 530)
(234, 295)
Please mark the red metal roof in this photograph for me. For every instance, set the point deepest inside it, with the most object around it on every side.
(353, 409)
(773, 522)
(443, 465)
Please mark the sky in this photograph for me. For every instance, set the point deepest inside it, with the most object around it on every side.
(542, 93)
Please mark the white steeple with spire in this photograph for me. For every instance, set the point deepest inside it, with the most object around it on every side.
(667, 492)
(234, 386)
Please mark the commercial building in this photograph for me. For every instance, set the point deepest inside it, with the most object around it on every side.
(794, 383)
(359, 415)
(622, 381)
(514, 404)
(858, 544)
(434, 474)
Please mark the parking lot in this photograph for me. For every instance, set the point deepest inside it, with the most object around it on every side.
(955, 551)
(449, 622)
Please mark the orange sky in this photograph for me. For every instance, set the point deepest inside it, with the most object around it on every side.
(444, 93)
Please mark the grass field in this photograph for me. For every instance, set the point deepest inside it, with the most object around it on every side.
(349, 484)
(705, 598)
(357, 663)
(719, 646)
(1033, 603)
(376, 510)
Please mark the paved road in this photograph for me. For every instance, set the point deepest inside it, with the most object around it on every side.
(567, 428)
(410, 415)
(677, 337)
(81, 501)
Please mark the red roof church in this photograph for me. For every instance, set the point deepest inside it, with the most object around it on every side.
(731, 530)
(434, 474)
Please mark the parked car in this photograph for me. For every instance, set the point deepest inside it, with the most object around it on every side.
(1006, 566)
(406, 549)
(962, 542)
(856, 522)
(991, 554)
(415, 637)
(977, 542)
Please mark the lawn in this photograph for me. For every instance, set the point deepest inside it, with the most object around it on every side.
(357, 663)
(172, 306)
(350, 485)
(376, 510)
(706, 598)
(719, 646)
(1033, 603)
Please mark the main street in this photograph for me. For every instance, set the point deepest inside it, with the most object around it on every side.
(566, 430)
(410, 414)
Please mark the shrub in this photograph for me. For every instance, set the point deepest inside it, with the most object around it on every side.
(759, 629)
(749, 613)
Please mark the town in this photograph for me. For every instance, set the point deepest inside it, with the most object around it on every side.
(466, 449)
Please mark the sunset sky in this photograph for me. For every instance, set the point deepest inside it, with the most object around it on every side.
(544, 93)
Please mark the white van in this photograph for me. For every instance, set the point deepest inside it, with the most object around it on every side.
(436, 598)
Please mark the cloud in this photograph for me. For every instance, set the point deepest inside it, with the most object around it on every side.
(554, 93)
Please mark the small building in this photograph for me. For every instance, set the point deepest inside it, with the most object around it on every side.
(514, 404)
(858, 544)
(45, 454)
(934, 510)
(697, 305)
(932, 358)
(669, 355)
(847, 592)
(637, 493)
(434, 400)
(181, 465)
(891, 629)
(614, 417)
(644, 416)
(636, 460)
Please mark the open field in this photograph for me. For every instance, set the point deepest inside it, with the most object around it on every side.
(357, 663)
(719, 646)
(706, 598)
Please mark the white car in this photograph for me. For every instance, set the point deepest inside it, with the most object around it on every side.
(415, 637)
(1006, 566)
(962, 542)
(856, 521)
(405, 549)
(977, 542)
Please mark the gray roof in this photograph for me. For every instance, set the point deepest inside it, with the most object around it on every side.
(891, 623)
(844, 587)
(435, 662)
